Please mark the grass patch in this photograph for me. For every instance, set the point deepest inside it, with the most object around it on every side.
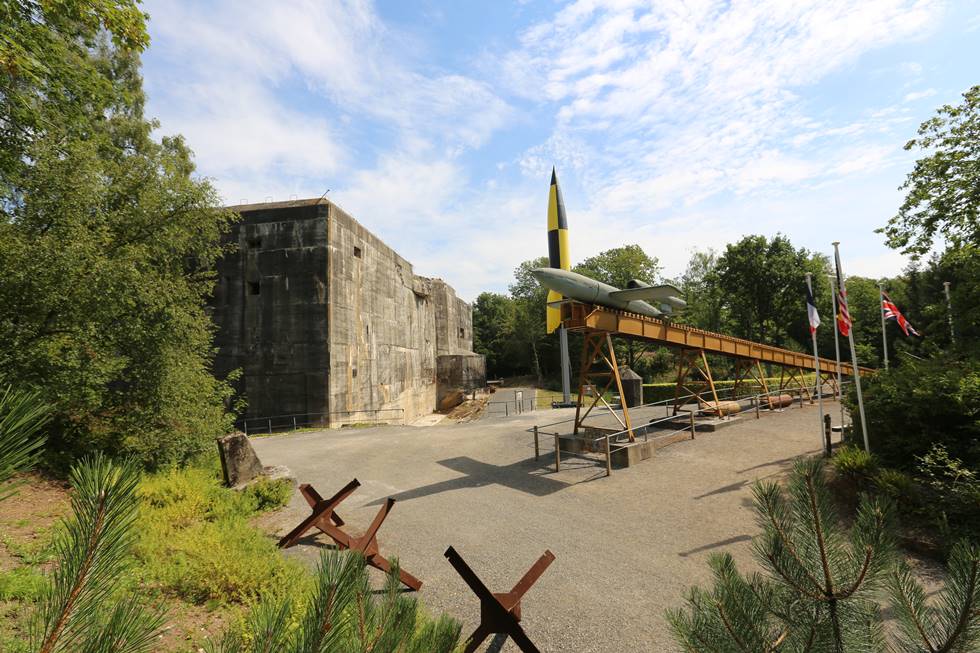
(21, 584)
(197, 541)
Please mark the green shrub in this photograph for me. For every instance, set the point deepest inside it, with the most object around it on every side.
(894, 483)
(920, 403)
(197, 541)
(266, 494)
(854, 464)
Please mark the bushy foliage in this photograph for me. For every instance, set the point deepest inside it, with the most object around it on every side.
(942, 197)
(921, 403)
(342, 613)
(854, 463)
(106, 241)
(197, 542)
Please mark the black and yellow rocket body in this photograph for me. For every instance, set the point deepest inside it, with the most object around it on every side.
(557, 246)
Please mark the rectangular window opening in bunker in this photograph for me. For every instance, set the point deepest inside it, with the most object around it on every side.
(357, 251)
(462, 332)
(254, 243)
(353, 372)
(253, 287)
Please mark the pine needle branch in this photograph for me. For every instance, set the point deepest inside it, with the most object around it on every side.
(80, 610)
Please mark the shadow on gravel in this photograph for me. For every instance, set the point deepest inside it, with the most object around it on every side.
(715, 545)
(518, 476)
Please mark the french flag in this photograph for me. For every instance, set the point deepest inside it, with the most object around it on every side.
(811, 310)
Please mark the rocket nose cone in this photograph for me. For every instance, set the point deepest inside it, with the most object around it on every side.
(539, 273)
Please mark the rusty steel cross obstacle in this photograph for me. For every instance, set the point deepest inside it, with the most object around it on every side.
(500, 612)
(325, 519)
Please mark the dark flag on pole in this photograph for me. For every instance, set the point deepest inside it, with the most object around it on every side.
(811, 311)
(892, 313)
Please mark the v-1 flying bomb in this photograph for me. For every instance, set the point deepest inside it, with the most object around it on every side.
(633, 298)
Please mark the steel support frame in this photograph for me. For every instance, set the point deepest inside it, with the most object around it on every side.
(789, 375)
(749, 369)
(689, 361)
(597, 348)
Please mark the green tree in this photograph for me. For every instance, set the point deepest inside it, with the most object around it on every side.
(618, 266)
(706, 307)
(107, 241)
(343, 614)
(529, 325)
(821, 582)
(943, 190)
(764, 283)
(493, 319)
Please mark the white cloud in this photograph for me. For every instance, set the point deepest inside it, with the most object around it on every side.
(704, 95)
(271, 87)
(918, 95)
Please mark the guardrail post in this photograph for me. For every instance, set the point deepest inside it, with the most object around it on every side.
(557, 454)
(245, 427)
(757, 402)
(270, 426)
(692, 424)
(294, 422)
(536, 450)
(608, 458)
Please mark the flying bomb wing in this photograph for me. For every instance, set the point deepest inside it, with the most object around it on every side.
(661, 294)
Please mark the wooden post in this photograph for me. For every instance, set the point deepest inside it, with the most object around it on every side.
(757, 402)
(294, 422)
(557, 455)
(536, 450)
(826, 435)
(270, 426)
(692, 424)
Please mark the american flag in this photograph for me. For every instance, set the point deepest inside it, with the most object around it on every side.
(843, 316)
(892, 313)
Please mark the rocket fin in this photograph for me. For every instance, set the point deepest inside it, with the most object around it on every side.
(664, 293)
(553, 311)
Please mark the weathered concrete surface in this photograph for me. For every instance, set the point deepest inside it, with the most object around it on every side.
(627, 546)
(330, 324)
(270, 306)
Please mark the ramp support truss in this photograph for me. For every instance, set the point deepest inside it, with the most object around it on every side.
(597, 350)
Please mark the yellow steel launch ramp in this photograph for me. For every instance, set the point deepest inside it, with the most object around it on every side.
(599, 325)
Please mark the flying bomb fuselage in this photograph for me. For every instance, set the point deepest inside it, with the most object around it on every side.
(589, 291)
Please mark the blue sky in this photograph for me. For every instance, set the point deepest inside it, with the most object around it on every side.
(674, 125)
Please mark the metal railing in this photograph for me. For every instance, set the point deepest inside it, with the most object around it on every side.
(280, 423)
(510, 407)
(612, 440)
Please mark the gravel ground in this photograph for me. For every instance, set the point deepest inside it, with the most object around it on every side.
(626, 546)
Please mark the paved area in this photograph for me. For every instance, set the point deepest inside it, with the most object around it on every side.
(627, 546)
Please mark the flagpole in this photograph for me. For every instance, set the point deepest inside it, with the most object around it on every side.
(881, 307)
(854, 363)
(840, 376)
(816, 363)
(949, 313)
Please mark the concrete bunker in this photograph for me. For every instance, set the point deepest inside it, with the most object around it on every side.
(330, 326)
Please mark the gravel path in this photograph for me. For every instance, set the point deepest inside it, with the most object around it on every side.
(626, 546)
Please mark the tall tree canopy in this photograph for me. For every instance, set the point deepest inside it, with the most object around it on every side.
(943, 190)
(619, 265)
(107, 240)
(764, 282)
